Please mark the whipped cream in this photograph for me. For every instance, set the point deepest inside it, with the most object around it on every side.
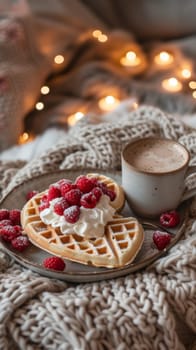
(91, 222)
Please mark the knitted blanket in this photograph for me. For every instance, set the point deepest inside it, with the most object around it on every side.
(151, 309)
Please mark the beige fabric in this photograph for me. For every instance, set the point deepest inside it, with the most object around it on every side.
(152, 19)
(151, 309)
(33, 32)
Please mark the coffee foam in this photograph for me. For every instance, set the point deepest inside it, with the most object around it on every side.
(156, 155)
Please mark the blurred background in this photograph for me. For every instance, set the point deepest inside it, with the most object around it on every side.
(62, 61)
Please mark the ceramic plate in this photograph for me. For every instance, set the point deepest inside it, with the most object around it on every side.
(32, 257)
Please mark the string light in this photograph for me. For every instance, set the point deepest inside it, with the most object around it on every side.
(39, 106)
(24, 138)
(133, 59)
(102, 38)
(186, 73)
(59, 59)
(45, 90)
(163, 58)
(108, 103)
(172, 84)
(96, 33)
(74, 118)
(192, 84)
(130, 59)
(135, 105)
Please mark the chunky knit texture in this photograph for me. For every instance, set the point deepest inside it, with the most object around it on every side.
(154, 309)
(151, 309)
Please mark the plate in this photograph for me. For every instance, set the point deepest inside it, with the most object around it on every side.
(32, 257)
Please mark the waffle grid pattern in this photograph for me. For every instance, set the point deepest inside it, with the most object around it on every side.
(126, 237)
(121, 241)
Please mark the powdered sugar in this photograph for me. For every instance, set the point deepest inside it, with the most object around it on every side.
(91, 222)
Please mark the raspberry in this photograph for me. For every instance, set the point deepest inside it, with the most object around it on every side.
(20, 243)
(95, 181)
(66, 186)
(15, 216)
(107, 191)
(31, 194)
(54, 263)
(111, 194)
(44, 198)
(72, 214)
(73, 197)
(102, 186)
(60, 206)
(18, 229)
(88, 200)
(5, 223)
(97, 193)
(4, 214)
(84, 184)
(8, 233)
(161, 239)
(44, 206)
(53, 192)
(61, 181)
(64, 181)
(170, 219)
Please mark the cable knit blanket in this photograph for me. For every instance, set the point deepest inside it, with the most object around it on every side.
(151, 309)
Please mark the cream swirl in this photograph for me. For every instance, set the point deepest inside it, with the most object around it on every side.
(91, 222)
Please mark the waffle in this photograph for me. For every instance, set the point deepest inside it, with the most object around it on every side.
(118, 247)
(119, 201)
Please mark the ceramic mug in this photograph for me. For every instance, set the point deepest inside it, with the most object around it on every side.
(153, 175)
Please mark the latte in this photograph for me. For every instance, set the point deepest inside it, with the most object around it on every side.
(153, 155)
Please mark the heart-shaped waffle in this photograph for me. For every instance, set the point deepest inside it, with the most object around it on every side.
(118, 243)
(117, 247)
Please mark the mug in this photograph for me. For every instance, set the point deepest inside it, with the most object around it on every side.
(153, 175)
